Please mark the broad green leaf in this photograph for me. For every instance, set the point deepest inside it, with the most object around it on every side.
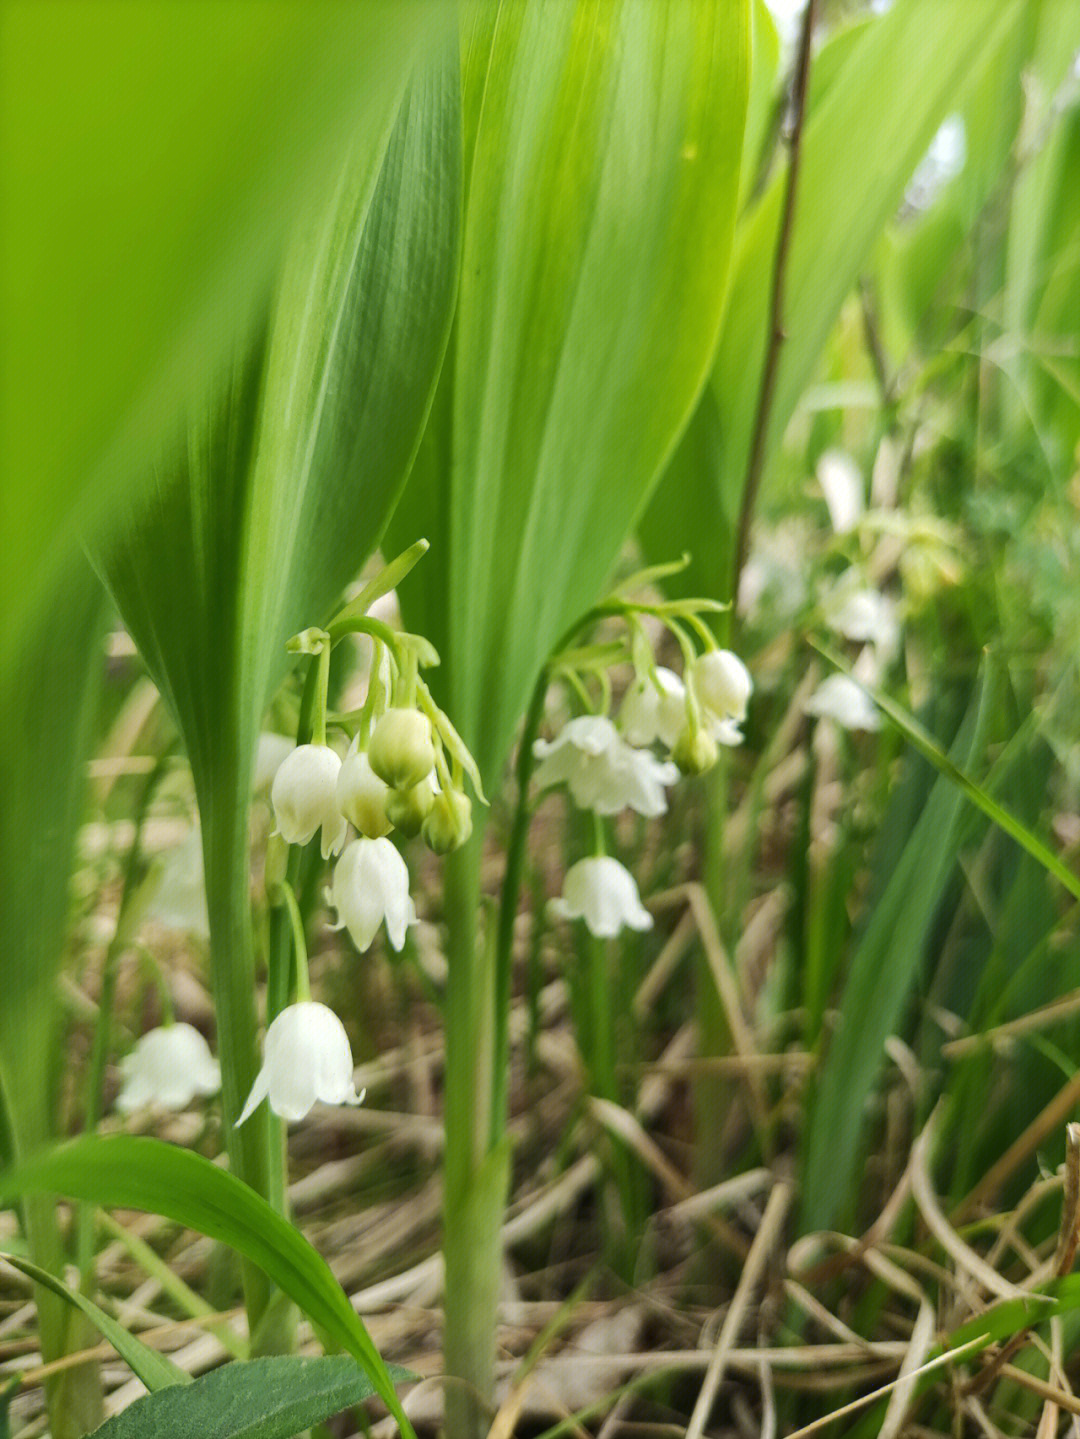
(155, 1370)
(260, 1399)
(48, 700)
(153, 158)
(122, 1171)
(884, 966)
(282, 486)
(600, 206)
(904, 74)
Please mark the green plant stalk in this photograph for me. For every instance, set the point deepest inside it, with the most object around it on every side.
(711, 1091)
(256, 1152)
(476, 1170)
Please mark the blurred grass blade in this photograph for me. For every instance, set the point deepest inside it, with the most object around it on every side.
(599, 217)
(153, 159)
(121, 1171)
(928, 747)
(884, 968)
(155, 1370)
(259, 1399)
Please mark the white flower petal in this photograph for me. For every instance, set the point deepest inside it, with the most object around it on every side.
(722, 685)
(649, 714)
(840, 699)
(307, 1059)
(371, 883)
(604, 894)
(842, 485)
(168, 1067)
(304, 797)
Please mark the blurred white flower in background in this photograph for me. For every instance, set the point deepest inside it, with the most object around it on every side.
(304, 798)
(840, 699)
(842, 485)
(168, 1067)
(648, 714)
(178, 900)
(601, 770)
(371, 883)
(860, 613)
(306, 1058)
(604, 894)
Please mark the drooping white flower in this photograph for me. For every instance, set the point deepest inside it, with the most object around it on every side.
(601, 770)
(723, 688)
(648, 714)
(842, 485)
(362, 795)
(178, 900)
(168, 1067)
(306, 1058)
(371, 883)
(840, 699)
(603, 893)
(304, 798)
(864, 615)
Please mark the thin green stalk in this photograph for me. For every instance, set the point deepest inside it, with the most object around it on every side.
(511, 888)
(476, 1171)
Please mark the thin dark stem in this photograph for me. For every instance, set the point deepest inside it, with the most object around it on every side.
(758, 446)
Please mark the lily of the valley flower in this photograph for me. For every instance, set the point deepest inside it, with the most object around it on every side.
(168, 1067)
(840, 699)
(603, 893)
(723, 688)
(178, 900)
(601, 770)
(304, 798)
(306, 1058)
(863, 614)
(650, 714)
(371, 883)
(362, 795)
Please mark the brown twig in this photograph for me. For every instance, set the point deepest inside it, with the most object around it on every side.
(756, 463)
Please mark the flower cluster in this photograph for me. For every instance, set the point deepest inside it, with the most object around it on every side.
(609, 766)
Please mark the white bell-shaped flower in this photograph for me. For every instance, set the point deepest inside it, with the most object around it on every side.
(362, 795)
(603, 893)
(649, 714)
(840, 699)
(371, 883)
(864, 615)
(306, 1058)
(601, 770)
(168, 1067)
(304, 796)
(722, 685)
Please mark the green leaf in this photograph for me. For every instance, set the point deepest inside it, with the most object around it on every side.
(281, 487)
(904, 73)
(883, 969)
(260, 1399)
(155, 1370)
(153, 159)
(599, 215)
(122, 1171)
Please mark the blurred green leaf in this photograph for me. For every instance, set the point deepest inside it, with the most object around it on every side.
(600, 207)
(282, 487)
(155, 1370)
(259, 1399)
(154, 156)
(121, 1171)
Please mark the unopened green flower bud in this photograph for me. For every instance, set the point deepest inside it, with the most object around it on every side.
(449, 824)
(362, 796)
(695, 751)
(402, 752)
(406, 809)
